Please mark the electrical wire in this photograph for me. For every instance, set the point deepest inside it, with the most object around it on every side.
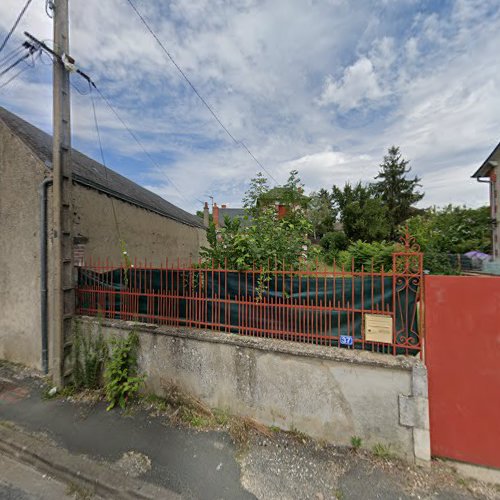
(134, 136)
(28, 66)
(19, 17)
(117, 225)
(212, 112)
(11, 55)
(14, 64)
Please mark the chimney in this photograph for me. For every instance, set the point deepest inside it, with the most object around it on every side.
(215, 214)
(223, 206)
(206, 215)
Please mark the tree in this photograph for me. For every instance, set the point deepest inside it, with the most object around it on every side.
(269, 242)
(398, 192)
(452, 229)
(258, 187)
(362, 212)
(321, 213)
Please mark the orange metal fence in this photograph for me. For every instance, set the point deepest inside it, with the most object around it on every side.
(326, 307)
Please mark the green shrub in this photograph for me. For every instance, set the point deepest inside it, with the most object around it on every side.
(334, 241)
(89, 357)
(365, 254)
(121, 379)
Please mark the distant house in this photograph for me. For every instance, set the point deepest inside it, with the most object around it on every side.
(151, 227)
(219, 214)
(489, 172)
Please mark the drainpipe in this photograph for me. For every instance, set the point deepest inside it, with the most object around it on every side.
(43, 275)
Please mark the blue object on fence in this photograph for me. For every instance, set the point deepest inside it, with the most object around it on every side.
(346, 340)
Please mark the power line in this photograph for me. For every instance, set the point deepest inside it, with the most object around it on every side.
(14, 64)
(19, 17)
(134, 136)
(117, 226)
(28, 66)
(43, 46)
(212, 112)
(11, 55)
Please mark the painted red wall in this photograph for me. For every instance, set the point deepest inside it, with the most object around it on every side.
(462, 353)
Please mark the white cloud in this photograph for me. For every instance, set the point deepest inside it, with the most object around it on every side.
(383, 73)
(358, 86)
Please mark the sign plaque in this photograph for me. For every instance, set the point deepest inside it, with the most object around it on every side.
(378, 328)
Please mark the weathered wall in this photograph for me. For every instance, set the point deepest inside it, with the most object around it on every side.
(147, 235)
(328, 393)
(20, 176)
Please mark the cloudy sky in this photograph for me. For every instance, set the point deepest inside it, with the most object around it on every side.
(321, 86)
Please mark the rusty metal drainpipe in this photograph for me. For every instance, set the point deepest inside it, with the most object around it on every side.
(43, 275)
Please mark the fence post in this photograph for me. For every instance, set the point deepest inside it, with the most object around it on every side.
(408, 282)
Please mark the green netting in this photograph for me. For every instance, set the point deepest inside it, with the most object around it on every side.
(300, 307)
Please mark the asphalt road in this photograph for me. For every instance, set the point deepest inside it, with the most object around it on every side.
(20, 482)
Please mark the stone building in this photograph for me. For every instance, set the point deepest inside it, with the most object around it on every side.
(151, 227)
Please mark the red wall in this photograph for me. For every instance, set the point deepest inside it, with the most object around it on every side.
(462, 352)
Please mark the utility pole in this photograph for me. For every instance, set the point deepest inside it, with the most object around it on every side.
(62, 263)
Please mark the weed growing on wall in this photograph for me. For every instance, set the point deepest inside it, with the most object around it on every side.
(89, 357)
(120, 376)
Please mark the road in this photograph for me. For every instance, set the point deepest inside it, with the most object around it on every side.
(20, 482)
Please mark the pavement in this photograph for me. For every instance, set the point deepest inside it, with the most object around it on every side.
(21, 482)
(134, 454)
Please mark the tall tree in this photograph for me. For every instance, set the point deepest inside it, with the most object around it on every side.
(362, 213)
(321, 213)
(398, 192)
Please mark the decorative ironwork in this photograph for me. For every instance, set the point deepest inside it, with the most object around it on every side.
(327, 307)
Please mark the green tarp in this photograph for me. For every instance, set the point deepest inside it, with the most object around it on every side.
(319, 307)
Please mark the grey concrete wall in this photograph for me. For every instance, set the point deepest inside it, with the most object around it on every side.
(328, 393)
(20, 176)
(147, 235)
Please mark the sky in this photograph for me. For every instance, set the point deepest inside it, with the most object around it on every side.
(320, 86)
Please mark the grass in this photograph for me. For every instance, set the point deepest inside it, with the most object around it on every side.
(382, 451)
(184, 409)
(356, 442)
(65, 392)
(298, 435)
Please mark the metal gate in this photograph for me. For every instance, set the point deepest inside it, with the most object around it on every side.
(462, 354)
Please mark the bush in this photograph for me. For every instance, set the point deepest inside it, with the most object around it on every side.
(122, 381)
(334, 241)
(89, 357)
(365, 254)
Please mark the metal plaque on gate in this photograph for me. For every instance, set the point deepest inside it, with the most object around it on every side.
(378, 328)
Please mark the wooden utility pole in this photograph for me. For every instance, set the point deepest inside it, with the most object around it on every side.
(62, 263)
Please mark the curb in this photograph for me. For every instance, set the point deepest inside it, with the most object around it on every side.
(46, 457)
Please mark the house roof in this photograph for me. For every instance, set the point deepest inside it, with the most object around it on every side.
(234, 213)
(93, 174)
(484, 169)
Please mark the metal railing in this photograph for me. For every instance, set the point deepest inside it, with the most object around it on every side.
(376, 310)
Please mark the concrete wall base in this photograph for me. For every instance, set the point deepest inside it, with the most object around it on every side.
(325, 392)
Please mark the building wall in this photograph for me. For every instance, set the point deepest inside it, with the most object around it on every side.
(325, 392)
(495, 211)
(148, 236)
(20, 176)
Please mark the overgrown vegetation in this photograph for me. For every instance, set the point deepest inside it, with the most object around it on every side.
(270, 242)
(89, 356)
(120, 375)
(360, 221)
(184, 409)
(356, 442)
(382, 451)
(106, 366)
